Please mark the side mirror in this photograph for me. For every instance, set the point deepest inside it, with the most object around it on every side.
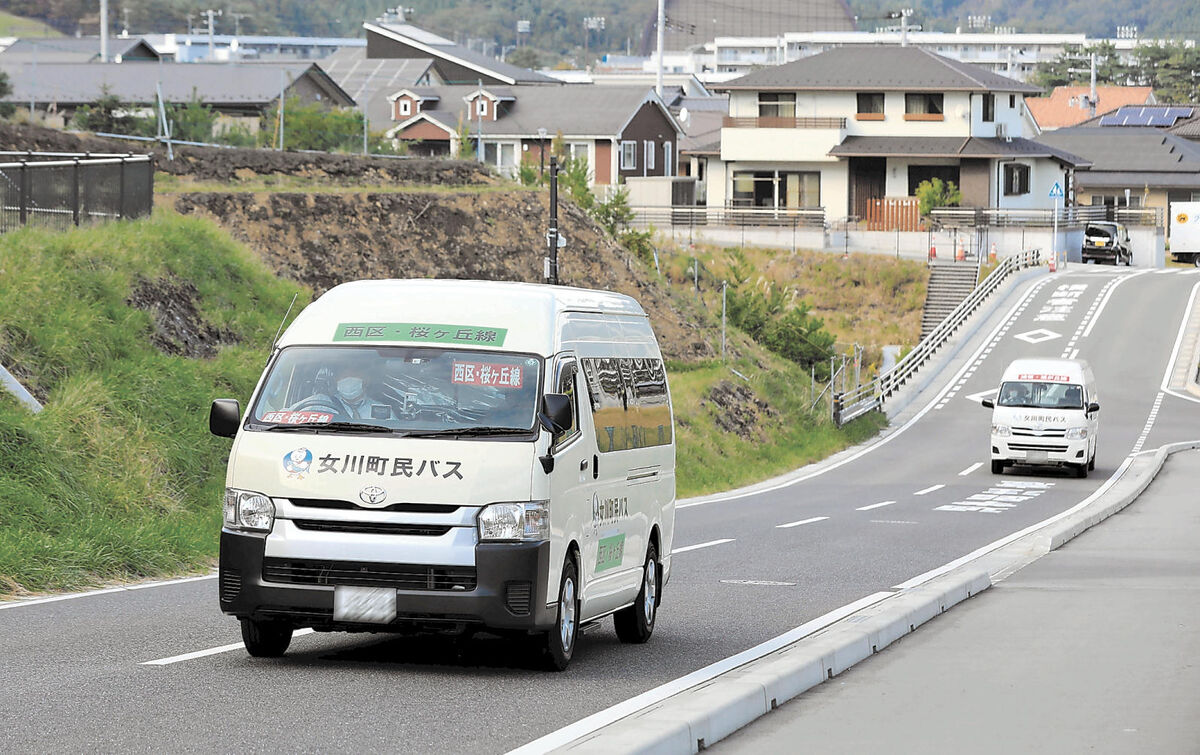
(555, 415)
(988, 403)
(1093, 407)
(224, 417)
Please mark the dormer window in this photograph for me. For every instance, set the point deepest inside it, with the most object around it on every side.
(481, 107)
(404, 106)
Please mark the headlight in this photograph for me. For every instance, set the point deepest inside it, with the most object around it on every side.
(1076, 433)
(527, 521)
(1001, 430)
(247, 510)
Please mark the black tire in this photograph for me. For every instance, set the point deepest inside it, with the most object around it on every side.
(1092, 461)
(997, 466)
(1081, 470)
(635, 624)
(557, 647)
(266, 639)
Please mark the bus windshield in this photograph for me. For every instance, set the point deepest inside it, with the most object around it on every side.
(1039, 395)
(401, 389)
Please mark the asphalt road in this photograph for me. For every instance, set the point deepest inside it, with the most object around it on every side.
(75, 674)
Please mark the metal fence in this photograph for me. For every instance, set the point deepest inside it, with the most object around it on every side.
(864, 398)
(689, 216)
(962, 217)
(62, 190)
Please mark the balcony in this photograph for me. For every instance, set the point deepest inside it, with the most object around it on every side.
(771, 121)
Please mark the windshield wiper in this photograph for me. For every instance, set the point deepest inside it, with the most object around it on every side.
(466, 431)
(358, 427)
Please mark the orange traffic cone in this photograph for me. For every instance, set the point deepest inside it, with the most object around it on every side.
(1053, 262)
(933, 251)
(992, 254)
(959, 253)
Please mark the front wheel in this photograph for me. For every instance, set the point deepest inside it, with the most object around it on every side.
(997, 466)
(558, 645)
(266, 639)
(1081, 470)
(635, 624)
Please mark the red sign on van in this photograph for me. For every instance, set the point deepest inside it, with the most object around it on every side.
(297, 418)
(487, 374)
(1046, 378)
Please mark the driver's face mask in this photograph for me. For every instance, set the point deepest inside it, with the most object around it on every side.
(350, 388)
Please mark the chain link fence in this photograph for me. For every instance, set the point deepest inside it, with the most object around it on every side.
(62, 190)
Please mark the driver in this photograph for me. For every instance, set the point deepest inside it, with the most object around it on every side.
(350, 393)
(1015, 394)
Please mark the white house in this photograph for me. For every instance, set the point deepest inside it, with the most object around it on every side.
(851, 125)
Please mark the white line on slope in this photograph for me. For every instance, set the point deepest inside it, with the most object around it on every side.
(929, 489)
(698, 546)
(802, 521)
(210, 651)
(103, 591)
(1104, 302)
(970, 469)
(586, 726)
(1166, 380)
(900, 430)
(875, 506)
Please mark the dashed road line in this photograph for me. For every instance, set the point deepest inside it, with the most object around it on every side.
(1141, 441)
(802, 521)
(875, 506)
(970, 469)
(930, 489)
(698, 546)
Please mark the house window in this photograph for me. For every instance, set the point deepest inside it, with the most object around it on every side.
(776, 105)
(667, 158)
(871, 104)
(1016, 179)
(502, 155)
(481, 107)
(776, 189)
(405, 107)
(1012, 101)
(989, 108)
(577, 150)
(923, 106)
(649, 146)
(628, 155)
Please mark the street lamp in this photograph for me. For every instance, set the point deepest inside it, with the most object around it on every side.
(541, 152)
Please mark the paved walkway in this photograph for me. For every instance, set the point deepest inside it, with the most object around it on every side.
(1092, 648)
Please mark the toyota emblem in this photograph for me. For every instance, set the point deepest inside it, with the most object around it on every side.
(373, 495)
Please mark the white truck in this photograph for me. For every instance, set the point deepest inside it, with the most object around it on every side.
(1185, 232)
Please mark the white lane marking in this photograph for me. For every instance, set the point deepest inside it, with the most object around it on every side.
(103, 591)
(978, 397)
(929, 489)
(892, 521)
(1074, 353)
(875, 506)
(802, 521)
(1095, 316)
(937, 572)
(698, 546)
(210, 651)
(1166, 381)
(1001, 326)
(1141, 441)
(586, 726)
(970, 469)
(1041, 335)
(1166, 271)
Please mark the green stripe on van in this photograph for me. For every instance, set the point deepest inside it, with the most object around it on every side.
(609, 552)
(420, 332)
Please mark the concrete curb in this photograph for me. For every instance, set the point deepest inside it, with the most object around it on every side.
(696, 718)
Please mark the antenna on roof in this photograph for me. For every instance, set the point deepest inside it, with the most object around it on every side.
(275, 340)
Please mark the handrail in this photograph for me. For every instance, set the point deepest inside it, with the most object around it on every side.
(872, 395)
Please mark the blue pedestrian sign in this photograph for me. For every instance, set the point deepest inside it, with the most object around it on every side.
(1056, 191)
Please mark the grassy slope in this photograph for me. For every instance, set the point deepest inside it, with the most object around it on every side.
(19, 26)
(118, 477)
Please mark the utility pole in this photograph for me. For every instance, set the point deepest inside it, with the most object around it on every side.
(237, 22)
(662, 22)
(103, 31)
(210, 13)
(552, 234)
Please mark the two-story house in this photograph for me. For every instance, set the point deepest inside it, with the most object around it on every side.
(850, 125)
(622, 131)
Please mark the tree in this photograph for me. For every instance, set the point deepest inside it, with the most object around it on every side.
(466, 144)
(6, 108)
(192, 122)
(936, 193)
(108, 114)
(525, 57)
(311, 125)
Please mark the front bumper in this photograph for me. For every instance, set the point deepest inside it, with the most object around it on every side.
(509, 591)
(1024, 450)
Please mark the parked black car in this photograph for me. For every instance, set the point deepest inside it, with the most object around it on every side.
(1107, 242)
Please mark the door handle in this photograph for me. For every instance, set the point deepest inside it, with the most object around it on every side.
(583, 465)
(595, 467)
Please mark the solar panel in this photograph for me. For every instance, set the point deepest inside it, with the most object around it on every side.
(1153, 115)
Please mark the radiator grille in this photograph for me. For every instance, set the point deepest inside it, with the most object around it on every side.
(372, 528)
(1049, 432)
(369, 574)
(1036, 447)
(412, 508)
(518, 596)
(230, 584)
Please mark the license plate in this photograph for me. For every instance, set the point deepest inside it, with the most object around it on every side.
(371, 605)
(1036, 456)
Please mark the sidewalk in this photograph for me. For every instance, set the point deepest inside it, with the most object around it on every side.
(1094, 647)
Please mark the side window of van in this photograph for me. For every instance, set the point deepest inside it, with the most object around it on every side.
(628, 399)
(566, 386)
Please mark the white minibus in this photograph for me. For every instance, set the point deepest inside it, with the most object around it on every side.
(452, 456)
(1046, 412)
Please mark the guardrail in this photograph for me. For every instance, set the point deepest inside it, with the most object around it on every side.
(974, 217)
(869, 396)
(729, 216)
(57, 193)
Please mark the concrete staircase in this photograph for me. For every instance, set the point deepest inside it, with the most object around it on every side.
(949, 284)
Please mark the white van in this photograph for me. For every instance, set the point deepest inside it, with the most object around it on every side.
(1046, 412)
(452, 455)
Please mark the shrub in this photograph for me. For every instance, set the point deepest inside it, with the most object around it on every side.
(936, 193)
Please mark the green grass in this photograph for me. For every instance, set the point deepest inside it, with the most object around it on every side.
(19, 26)
(118, 477)
(710, 460)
